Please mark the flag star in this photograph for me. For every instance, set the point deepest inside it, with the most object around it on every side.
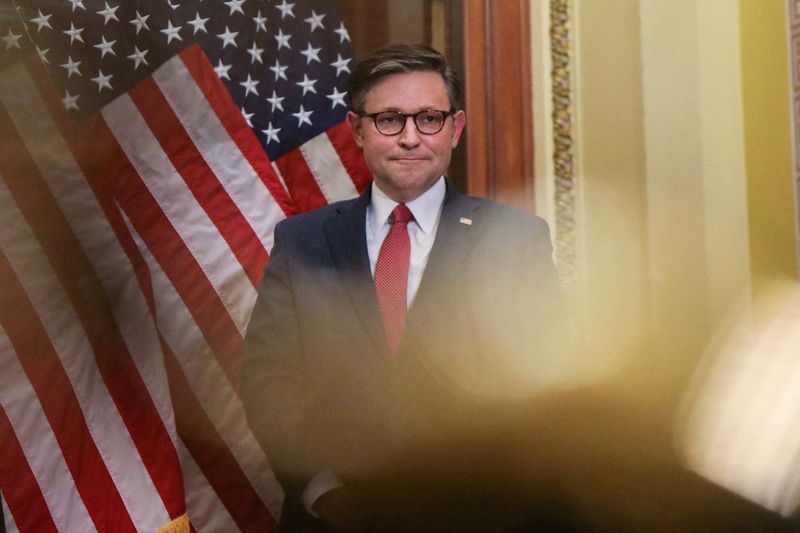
(276, 101)
(279, 70)
(235, 5)
(12, 40)
(70, 101)
(43, 54)
(312, 54)
(222, 70)
(260, 22)
(172, 32)
(42, 21)
(307, 85)
(140, 21)
(337, 98)
(286, 9)
(102, 81)
(342, 31)
(341, 64)
(72, 67)
(228, 37)
(105, 47)
(247, 117)
(283, 39)
(303, 116)
(138, 57)
(77, 4)
(271, 133)
(73, 32)
(315, 21)
(109, 13)
(255, 54)
(249, 86)
(174, 6)
(198, 24)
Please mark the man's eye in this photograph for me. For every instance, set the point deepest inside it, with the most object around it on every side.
(429, 118)
(388, 120)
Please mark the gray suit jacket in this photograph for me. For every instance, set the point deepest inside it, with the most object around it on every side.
(321, 391)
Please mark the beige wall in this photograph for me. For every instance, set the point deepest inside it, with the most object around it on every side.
(683, 161)
(766, 103)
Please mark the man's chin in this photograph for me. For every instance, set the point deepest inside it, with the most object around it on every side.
(406, 186)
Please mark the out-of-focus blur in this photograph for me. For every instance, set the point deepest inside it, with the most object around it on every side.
(740, 423)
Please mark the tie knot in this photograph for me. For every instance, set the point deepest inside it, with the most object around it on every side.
(400, 215)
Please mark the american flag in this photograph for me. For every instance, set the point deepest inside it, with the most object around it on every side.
(147, 150)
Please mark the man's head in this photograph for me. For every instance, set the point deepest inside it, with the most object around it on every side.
(400, 96)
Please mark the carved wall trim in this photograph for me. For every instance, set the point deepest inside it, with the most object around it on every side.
(563, 137)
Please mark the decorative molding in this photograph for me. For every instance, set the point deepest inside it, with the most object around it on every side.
(563, 156)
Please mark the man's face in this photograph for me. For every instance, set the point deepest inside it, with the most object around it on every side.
(409, 163)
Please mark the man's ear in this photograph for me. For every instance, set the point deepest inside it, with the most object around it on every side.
(355, 127)
(459, 121)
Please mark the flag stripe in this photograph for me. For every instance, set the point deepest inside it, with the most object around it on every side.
(20, 490)
(168, 183)
(341, 137)
(64, 321)
(327, 169)
(40, 360)
(31, 457)
(145, 214)
(221, 473)
(231, 119)
(199, 177)
(216, 396)
(246, 191)
(206, 511)
(300, 181)
(215, 458)
(176, 201)
(127, 262)
(148, 414)
(11, 527)
(68, 331)
(198, 434)
(88, 297)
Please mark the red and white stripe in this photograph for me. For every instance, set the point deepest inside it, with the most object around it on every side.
(37, 451)
(208, 383)
(60, 288)
(130, 247)
(325, 169)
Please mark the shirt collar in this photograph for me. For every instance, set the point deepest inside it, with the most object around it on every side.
(425, 208)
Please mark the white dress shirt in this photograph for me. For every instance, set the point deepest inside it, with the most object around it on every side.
(427, 210)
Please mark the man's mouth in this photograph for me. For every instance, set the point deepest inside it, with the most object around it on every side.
(409, 159)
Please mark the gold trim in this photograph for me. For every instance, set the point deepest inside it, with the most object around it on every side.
(563, 158)
(179, 525)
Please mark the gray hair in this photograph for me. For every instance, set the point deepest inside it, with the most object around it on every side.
(397, 58)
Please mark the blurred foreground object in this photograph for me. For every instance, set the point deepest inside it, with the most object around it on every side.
(739, 425)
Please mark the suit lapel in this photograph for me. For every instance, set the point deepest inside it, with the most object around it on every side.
(459, 226)
(348, 244)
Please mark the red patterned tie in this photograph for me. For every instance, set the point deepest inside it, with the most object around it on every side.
(391, 276)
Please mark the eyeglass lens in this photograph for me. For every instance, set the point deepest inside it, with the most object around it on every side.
(393, 122)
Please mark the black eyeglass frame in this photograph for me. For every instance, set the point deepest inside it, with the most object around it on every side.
(405, 116)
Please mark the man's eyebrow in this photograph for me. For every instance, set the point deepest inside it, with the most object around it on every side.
(398, 110)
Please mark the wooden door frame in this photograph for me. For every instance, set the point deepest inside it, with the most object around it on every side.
(497, 64)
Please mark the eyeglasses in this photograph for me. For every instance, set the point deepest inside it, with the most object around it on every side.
(427, 121)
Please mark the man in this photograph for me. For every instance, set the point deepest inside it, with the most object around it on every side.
(393, 331)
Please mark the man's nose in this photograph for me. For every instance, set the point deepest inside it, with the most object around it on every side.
(409, 136)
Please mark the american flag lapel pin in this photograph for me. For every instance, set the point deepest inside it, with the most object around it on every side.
(466, 221)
